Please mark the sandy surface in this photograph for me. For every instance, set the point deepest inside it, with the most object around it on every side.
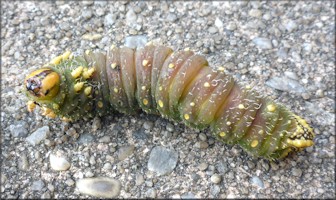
(284, 49)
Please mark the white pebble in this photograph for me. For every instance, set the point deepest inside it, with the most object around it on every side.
(59, 163)
(99, 187)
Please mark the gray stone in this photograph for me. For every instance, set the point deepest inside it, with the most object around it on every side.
(171, 17)
(151, 193)
(255, 180)
(85, 138)
(37, 185)
(215, 190)
(216, 178)
(125, 151)
(139, 179)
(136, 41)
(213, 29)
(263, 43)
(218, 23)
(203, 166)
(103, 187)
(110, 19)
(148, 125)
(202, 137)
(188, 195)
(282, 53)
(87, 14)
(290, 25)
(285, 84)
(291, 75)
(19, 129)
(59, 162)
(131, 17)
(162, 160)
(23, 162)
(201, 145)
(297, 172)
(231, 26)
(96, 124)
(39, 135)
(255, 13)
(140, 134)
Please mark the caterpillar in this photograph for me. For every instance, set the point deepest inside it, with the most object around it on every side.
(179, 86)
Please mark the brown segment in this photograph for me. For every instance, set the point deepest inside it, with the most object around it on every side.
(168, 72)
(144, 64)
(186, 74)
(118, 97)
(209, 108)
(128, 76)
(161, 53)
(193, 94)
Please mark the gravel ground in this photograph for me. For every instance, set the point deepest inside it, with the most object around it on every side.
(285, 49)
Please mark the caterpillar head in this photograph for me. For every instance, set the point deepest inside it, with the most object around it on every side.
(43, 84)
(303, 135)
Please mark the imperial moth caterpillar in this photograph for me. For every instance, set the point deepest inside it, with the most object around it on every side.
(179, 86)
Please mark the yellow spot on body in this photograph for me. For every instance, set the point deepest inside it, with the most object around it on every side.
(77, 72)
(66, 55)
(187, 49)
(192, 104)
(116, 90)
(299, 143)
(51, 115)
(222, 134)
(228, 123)
(143, 87)
(145, 63)
(56, 60)
(100, 104)
(160, 88)
(248, 87)
(65, 119)
(113, 65)
(221, 69)
(46, 111)
(112, 47)
(160, 103)
(241, 106)
(88, 90)
(145, 101)
(206, 84)
(186, 116)
(260, 132)
(254, 143)
(55, 106)
(87, 52)
(88, 73)
(171, 65)
(31, 106)
(78, 86)
(271, 108)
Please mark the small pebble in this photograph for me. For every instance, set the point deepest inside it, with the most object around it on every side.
(162, 160)
(103, 187)
(39, 135)
(59, 162)
(125, 151)
(216, 178)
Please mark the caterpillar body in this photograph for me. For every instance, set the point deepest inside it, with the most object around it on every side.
(179, 86)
